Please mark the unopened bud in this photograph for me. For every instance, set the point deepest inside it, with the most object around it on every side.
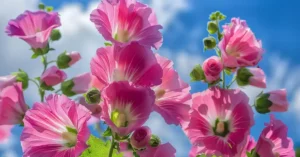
(209, 42)
(140, 138)
(55, 35)
(65, 60)
(262, 103)
(93, 96)
(154, 141)
(41, 6)
(212, 27)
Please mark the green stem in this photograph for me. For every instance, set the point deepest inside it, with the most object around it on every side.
(223, 79)
(44, 63)
(32, 80)
(51, 62)
(57, 90)
(232, 81)
(41, 91)
(111, 146)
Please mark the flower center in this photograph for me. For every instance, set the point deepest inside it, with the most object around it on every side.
(277, 154)
(119, 119)
(232, 51)
(159, 93)
(221, 128)
(70, 137)
(122, 36)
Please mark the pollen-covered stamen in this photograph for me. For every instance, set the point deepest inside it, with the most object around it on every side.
(232, 51)
(119, 119)
(159, 93)
(221, 128)
(70, 136)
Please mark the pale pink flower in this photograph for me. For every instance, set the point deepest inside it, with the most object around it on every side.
(173, 98)
(141, 137)
(279, 100)
(163, 150)
(126, 107)
(55, 128)
(74, 56)
(34, 27)
(239, 47)
(247, 147)
(82, 83)
(258, 79)
(212, 68)
(5, 132)
(133, 63)
(126, 21)
(220, 121)
(273, 141)
(12, 105)
(53, 76)
(7, 81)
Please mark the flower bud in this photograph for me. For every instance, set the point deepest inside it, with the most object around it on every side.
(140, 138)
(21, 76)
(53, 76)
(154, 141)
(93, 96)
(212, 27)
(65, 59)
(209, 42)
(55, 35)
(212, 68)
(94, 108)
(6, 81)
(77, 85)
(41, 6)
(275, 101)
(251, 76)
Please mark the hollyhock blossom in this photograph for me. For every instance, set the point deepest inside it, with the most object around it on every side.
(173, 98)
(55, 128)
(140, 137)
(275, 101)
(75, 57)
(53, 76)
(126, 21)
(34, 27)
(126, 107)
(5, 132)
(220, 121)
(133, 63)
(273, 141)
(212, 68)
(78, 85)
(163, 150)
(239, 47)
(12, 105)
(251, 76)
(95, 110)
(7, 81)
(249, 145)
(67, 59)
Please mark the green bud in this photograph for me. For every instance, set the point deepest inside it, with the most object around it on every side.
(262, 103)
(40, 51)
(49, 8)
(21, 76)
(154, 141)
(209, 42)
(66, 88)
(55, 35)
(197, 74)
(63, 60)
(212, 27)
(243, 76)
(93, 96)
(41, 6)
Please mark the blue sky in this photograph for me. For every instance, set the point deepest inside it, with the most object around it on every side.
(184, 21)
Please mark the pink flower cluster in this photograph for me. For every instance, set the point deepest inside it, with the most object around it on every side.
(128, 81)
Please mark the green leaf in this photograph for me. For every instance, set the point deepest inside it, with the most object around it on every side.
(34, 56)
(108, 44)
(98, 148)
(107, 132)
(197, 74)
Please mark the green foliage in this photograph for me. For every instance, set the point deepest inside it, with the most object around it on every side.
(217, 16)
(45, 87)
(298, 152)
(243, 76)
(262, 103)
(212, 27)
(63, 60)
(107, 132)
(209, 42)
(21, 76)
(41, 6)
(197, 74)
(98, 148)
(66, 88)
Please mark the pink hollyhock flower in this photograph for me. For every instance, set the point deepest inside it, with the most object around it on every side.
(140, 137)
(251, 76)
(163, 150)
(82, 83)
(275, 101)
(95, 109)
(53, 76)
(173, 98)
(247, 147)
(7, 81)
(220, 121)
(74, 56)
(212, 68)
(126, 21)
(133, 63)
(55, 128)
(273, 141)
(239, 47)
(34, 27)
(12, 105)
(126, 107)
(5, 132)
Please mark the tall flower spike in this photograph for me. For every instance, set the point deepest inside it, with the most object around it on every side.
(173, 98)
(124, 21)
(134, 63)
(12, 105)
(220, 121)
(34, 27)
(126, 107)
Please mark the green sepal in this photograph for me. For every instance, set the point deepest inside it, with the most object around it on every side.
(262, 103)
(197, 74)
(22, 76)
(40, 51)
(66, 88)
(45, 87)
(209, 43)
(243, 76)
(107, 132)
(108, 44)
(63, 61)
